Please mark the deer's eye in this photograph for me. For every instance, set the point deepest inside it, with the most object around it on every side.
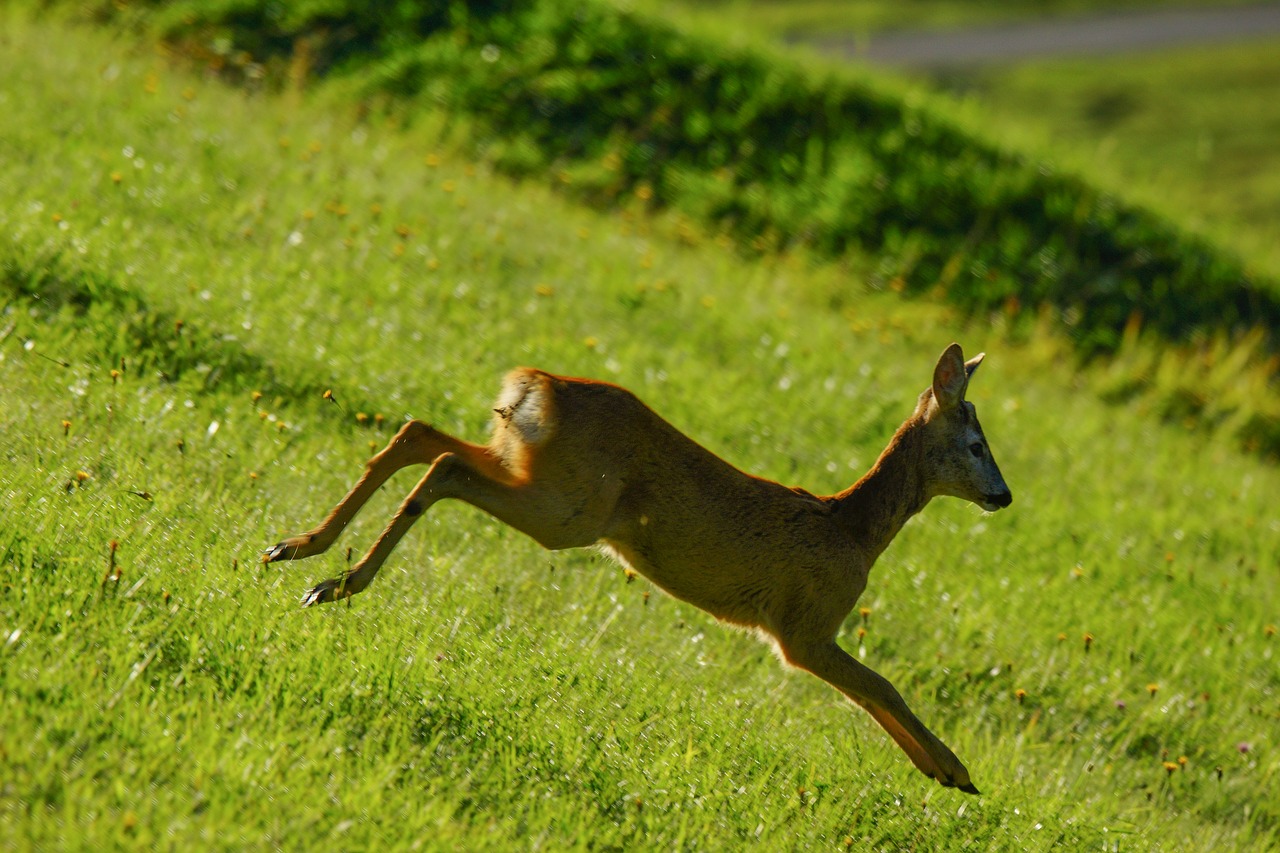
(976, 449)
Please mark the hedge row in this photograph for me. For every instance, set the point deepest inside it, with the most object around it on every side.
(625, 105)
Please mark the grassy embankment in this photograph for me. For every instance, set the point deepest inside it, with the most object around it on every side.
(175, 249)
(1185, 130)
(807, 19)
(1190, 132)
(777, 158)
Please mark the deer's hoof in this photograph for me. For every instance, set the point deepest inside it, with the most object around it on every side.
(950, 781)
(277, 552)
(326, 591)
(293, 548)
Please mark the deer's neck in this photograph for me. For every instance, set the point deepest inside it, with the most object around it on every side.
(877, 506)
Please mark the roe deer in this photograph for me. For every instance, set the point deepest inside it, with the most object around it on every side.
(574, 462)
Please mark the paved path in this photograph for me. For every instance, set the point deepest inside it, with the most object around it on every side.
(1102, 34)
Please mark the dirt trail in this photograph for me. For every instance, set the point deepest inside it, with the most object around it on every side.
(1102, 34)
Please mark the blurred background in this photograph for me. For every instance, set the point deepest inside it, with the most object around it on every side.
(1171, 104)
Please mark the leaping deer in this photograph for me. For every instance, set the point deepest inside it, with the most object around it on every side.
(574, 462)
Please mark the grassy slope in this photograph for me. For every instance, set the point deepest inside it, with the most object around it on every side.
(1184, 133)
(485, 692)
(741, 140)
(801, 18)
(1187, 132)
(1190, 130)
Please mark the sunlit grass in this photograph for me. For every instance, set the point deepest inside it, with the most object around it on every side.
(818, 18)
(166, 691)
(1187, 131)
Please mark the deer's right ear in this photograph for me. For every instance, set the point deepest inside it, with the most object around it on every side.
(950, 378)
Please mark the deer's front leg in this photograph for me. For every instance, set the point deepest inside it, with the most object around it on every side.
(875, 694)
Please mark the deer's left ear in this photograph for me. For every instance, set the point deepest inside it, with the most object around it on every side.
(972, 364)
(951, 377)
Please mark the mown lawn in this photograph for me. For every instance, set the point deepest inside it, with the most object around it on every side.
(186, 271)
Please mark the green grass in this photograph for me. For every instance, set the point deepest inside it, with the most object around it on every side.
(1189, 131)
(208, 244)
(776, 156)
(807, 18)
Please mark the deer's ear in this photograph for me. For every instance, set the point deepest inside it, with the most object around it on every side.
(972, 364)
(951, 377)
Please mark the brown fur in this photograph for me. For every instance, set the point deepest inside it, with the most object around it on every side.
(574, 462)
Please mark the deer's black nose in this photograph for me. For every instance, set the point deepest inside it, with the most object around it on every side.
(1003, 499)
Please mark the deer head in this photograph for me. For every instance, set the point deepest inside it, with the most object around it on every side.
(960, 460)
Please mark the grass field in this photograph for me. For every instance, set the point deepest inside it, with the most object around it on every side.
(1190, 131)
(1186, 131)
(186, 270)
(806, 18)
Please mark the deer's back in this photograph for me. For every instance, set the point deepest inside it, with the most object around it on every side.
(737, 545)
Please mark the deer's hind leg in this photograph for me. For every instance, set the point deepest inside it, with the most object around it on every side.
(416, 443)
(552, 517)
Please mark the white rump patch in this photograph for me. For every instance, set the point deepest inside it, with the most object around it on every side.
(525, 405)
